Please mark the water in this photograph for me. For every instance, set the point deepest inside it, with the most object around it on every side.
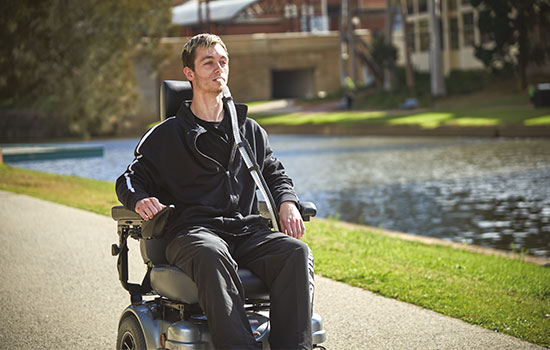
(117, 155)
(489, 192)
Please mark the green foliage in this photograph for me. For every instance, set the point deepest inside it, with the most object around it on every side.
(73, 59)
(393, 99)
(515, 33)
(465, 82)
(384, 55)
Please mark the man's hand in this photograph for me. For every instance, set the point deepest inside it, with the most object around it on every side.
(291, 221)
(147, 208)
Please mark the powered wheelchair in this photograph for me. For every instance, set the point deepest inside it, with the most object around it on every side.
(169, 316)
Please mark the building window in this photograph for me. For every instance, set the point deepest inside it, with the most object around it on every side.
(468, 25)
(410, 7)
(411, 37)
(453, 33)
(423, 6)
(424, 33)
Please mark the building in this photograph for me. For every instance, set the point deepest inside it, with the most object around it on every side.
(459, 34)
(233, 17)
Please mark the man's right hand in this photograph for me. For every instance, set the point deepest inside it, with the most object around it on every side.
(147, 208)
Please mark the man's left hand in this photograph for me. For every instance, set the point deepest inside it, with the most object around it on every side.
(291, 222)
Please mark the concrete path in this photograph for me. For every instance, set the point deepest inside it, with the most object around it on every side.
(59, 289)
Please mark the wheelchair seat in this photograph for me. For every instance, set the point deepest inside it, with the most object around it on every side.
(172, 283)
(169, 281)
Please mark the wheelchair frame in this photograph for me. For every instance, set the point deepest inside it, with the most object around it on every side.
(167, 324)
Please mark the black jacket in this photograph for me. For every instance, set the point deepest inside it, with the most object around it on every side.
(169, 166)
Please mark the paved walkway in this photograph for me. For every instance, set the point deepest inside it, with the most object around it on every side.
(59, 289)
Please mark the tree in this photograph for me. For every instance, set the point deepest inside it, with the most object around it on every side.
(385, 56)
(406, 38)
(73, 59)
(515, 33)
(389, 73)
(436, 64)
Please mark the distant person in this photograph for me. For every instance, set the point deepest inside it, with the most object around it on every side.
(191, 161)
(347, 102)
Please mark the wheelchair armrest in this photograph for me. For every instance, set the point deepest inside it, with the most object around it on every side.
(307, 210)
(121, 213)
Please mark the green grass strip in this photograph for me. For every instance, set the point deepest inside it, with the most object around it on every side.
(88, 194)
(495, 106)
(436, 117)
(502, 294)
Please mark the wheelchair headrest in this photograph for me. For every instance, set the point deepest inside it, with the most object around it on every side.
(172, 94)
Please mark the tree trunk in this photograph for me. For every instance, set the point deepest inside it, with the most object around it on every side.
(408, 64)
(523, 43)
(388, 36)
(436, 64)
(343, 43)
(351, 45)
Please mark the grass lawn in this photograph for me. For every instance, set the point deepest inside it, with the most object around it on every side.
(88, 194)
(487, 108)
(505, 295)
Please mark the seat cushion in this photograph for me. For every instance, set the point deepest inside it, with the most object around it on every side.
(172, 283)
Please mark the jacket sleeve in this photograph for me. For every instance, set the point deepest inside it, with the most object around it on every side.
(280, 185)
(135, 182)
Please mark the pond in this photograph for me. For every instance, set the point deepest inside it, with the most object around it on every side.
(489, 192)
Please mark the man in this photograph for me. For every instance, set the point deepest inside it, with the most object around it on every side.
(191, 161)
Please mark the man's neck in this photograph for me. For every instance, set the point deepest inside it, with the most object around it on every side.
(208, 108)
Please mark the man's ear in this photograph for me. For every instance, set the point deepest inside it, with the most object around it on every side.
(189, 74)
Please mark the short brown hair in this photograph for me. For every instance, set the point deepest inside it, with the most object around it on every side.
(188, 54)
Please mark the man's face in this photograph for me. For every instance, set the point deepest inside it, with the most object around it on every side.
(211, 69)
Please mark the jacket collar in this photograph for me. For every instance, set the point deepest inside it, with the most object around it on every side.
(189, 119)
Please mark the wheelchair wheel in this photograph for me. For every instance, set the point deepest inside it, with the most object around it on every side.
(130, 336)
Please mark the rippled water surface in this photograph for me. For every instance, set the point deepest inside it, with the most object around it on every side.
(490, 192)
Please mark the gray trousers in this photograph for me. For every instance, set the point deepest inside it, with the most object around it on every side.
(285, 264)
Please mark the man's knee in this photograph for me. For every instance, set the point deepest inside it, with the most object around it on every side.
(205, 251)
(301, 250)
